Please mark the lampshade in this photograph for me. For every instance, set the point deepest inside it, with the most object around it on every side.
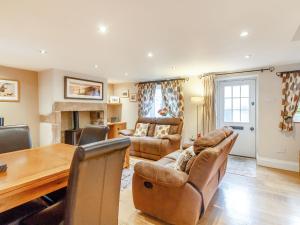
(199, 100)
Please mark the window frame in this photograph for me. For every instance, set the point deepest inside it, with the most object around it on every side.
(296, 118)
(154, 111)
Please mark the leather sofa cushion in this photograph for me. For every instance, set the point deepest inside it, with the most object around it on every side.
(135, 143)
(151, 130)
(173, 155)
(151, 145)
(209, 140)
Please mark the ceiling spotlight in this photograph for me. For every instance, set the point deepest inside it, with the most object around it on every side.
(150, 55)
(244, 34)
(248, 56)
(96, 66)
(102, 29)
(43, 51)
(126, 74)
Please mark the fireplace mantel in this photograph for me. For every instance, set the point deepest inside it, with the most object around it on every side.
(55, 117)
(78, 106)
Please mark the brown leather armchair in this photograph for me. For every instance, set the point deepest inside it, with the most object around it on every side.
(151, 147)
(93, 188)
(178, 197)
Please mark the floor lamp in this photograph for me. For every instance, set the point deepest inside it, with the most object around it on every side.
(199, 101)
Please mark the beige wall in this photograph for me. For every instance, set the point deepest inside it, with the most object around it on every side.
(27, 110)
(51, 89)
(274, 148)
(129, 112)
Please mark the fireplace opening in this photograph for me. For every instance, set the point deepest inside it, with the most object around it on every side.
(72, 135)
(74, 121)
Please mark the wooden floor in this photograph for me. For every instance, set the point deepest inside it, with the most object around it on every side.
(270, 198)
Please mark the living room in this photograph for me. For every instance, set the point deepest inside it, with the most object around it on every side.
(142, 112)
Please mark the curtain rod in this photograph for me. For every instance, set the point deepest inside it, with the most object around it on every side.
(159, 81)
(271, 69)
(279, 74)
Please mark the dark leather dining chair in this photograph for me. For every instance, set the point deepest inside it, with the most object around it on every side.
(92, 134)
(93, 187)
(13, 138)
(88, 135)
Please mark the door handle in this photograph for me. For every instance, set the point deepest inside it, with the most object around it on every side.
(252, 128)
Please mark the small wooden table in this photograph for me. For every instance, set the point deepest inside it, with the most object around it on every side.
(33, 173)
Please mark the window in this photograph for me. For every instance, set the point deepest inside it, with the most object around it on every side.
(157, 103)
(236, 104)
(297, 115)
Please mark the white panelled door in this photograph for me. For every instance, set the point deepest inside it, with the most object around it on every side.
(236, 103)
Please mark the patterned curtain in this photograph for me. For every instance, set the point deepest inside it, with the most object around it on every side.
(146, 93)
(208, 112)
(172, 92)
(290, 99)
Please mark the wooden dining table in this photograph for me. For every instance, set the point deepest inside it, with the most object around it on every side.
(32, 173)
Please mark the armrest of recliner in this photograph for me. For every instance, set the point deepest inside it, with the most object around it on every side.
(127, 132)
(172, 137)
(160, 175)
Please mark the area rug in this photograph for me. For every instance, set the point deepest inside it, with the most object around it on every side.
(241, 166)
(127, 174)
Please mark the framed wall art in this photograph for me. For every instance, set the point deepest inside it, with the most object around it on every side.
(9, 90)
(132, 97)
(76, 88)
(125, 94)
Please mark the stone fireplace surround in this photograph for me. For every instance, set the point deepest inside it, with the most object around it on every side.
(55, 117)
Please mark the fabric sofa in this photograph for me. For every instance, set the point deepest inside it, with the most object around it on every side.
(154, 148)
(178, 197)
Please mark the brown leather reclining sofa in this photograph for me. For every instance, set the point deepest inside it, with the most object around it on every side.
(154, 148)
(178, 197)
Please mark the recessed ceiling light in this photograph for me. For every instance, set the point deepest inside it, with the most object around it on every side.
(96, 66)
(248, 56)
(43, 51)
(102, 29)
(126, 74)
(244, 34)
(150, 54)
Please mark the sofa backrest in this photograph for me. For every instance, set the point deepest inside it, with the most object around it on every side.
(208, 163)
(176, 124)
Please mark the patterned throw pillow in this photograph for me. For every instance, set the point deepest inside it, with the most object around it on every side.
(184, 158)
(141, 130)
(161, 130)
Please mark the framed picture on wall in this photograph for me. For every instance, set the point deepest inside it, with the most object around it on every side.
(76, 88)
(9, 90)
(114, 99)
(132, 97)
(125, 94)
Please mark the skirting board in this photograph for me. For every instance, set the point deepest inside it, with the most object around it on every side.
(278, 164)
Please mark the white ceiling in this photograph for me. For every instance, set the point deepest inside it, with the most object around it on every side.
(194, 36)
